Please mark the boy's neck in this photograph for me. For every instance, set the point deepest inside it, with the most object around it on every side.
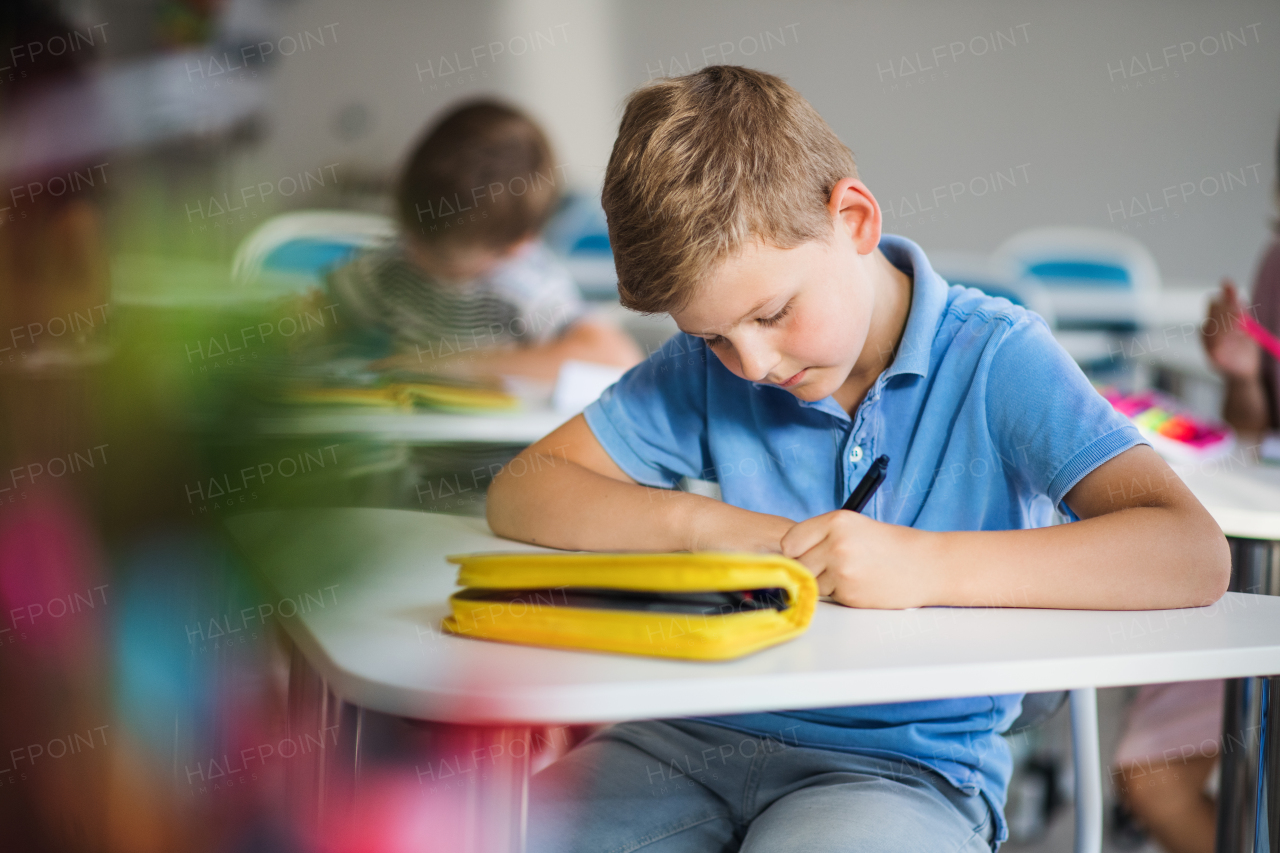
(888, 322)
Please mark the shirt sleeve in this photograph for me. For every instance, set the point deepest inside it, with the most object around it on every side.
(653, 421)
(1049, 425)
(543, 291)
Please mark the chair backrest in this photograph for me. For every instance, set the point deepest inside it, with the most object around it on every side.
(1097, 279)
(579, 234)
(1036, 708)
(292, 251)
(995, 277)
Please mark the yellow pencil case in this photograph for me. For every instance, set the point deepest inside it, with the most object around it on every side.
(698, 606)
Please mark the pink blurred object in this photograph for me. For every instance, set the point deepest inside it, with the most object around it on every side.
(394, 813)
(1265, 339)
(53, 587)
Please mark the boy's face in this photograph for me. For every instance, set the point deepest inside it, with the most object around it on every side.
(796, 318)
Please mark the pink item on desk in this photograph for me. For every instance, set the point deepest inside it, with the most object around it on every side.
(1173, 431)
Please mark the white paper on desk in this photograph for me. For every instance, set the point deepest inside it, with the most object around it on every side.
(580, 383)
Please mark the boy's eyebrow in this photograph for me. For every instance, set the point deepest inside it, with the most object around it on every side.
(753, 309)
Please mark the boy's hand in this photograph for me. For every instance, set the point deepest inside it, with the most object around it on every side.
(861, 562)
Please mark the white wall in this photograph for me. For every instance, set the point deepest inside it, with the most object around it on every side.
(1079, 138)
(404, 62)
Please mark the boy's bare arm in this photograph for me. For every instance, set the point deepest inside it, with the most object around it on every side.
(586, 340)
(566, 492)
(1143, 542)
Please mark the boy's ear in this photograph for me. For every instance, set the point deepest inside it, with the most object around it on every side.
(856, 213)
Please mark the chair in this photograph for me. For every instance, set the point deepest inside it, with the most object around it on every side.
(1038, 707)
(291, 252)
(995, 277)
(1097, 279)
(1092, 349)
(579, 233)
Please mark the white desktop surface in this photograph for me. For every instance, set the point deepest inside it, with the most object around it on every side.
(523, 427)
(378, 644)
(1242, 495)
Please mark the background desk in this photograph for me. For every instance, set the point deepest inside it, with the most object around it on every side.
(523, 427)
(1241, 494)
(379, 645)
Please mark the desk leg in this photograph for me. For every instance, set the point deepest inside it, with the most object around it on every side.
(480, 772)
(1241, 723)
(501, 801)
(323, 732)
(485, 771)
(1269, 808)
(1255, 568)
(1088, 764)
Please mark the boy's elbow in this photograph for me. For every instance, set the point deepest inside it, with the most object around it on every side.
(499, 505)
(1212, 565)
(1219, 578)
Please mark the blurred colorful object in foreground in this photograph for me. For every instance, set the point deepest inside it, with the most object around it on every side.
(1173, 431)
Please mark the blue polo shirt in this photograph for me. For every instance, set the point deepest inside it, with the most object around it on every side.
(988, 424)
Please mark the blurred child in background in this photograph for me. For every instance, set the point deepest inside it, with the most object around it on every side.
(1250, 374)
(469, 289)
(1171, 796)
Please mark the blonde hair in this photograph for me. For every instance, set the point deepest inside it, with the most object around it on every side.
(707, 163)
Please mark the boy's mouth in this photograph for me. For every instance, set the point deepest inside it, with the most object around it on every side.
(794, 379)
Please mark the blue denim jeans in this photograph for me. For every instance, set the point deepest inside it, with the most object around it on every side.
(674, 786)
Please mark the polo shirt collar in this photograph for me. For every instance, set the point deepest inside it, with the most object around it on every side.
(928, 300)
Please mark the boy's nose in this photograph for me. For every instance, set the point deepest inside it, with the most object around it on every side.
(756, 362)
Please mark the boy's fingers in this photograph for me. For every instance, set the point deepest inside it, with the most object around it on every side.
(802, 537)
(813, 559)
(816, 560)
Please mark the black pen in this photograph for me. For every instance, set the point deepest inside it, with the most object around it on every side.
(870, 482)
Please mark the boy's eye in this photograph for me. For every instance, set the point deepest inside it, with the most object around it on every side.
(776, 318)
(714, 341)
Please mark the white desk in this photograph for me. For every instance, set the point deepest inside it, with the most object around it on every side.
(523, 427)
(378, 646)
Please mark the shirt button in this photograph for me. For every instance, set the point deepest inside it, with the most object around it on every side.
(855, 455)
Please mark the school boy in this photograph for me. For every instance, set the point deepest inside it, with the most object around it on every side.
(468, 288)
(810, 344)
